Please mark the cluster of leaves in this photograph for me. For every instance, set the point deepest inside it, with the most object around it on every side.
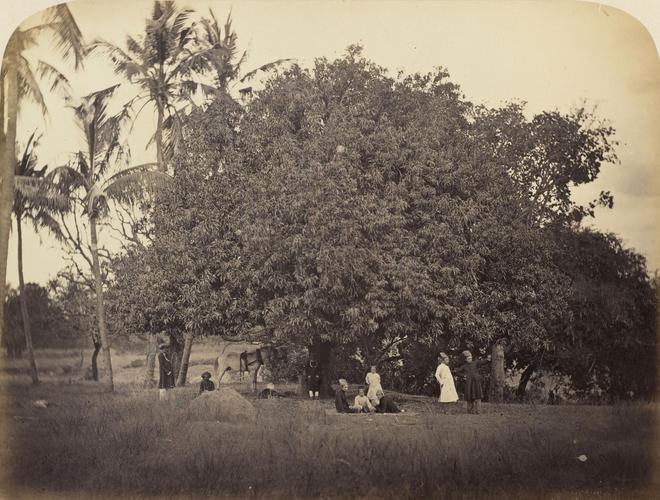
(346, 210)
(52, 316)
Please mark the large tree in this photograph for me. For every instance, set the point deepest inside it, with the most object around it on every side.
(344, 215)
(360, 215)
(18, 83)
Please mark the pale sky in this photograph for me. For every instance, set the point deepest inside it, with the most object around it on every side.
(554, 55)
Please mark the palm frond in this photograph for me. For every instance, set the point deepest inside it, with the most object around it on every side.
(69, 39)
(27, 84)
(59, 83)
(123, 64)
(67, 177)
(38, 193)
(265, 67)
(131, 185)
(22, 166)
(44, 220)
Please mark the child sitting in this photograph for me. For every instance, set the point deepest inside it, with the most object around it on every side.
(362, 403)
(206, 383)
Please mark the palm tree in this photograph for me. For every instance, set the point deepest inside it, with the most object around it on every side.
(18, 82)
(155, 62)
(216, 54)
(88, 171)
(35, 200)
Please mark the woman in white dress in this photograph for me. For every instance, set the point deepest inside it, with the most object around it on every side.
(446, 380)
(373, 381)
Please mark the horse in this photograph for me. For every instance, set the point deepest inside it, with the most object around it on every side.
(249, 360)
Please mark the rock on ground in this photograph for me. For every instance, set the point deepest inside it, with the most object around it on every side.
(224, 405)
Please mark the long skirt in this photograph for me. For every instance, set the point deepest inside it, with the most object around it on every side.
(473, 389)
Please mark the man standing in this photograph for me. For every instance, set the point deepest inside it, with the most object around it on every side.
(166, 380)
(313, 379)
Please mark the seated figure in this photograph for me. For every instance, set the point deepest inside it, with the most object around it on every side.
(341, 404)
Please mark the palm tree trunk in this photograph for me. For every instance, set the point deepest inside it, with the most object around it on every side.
(159, 139)
(100, 313)
(151, 360)
(7, 172)
(24, 310)
(185, 359)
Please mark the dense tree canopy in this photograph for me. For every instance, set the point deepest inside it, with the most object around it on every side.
(344, 207)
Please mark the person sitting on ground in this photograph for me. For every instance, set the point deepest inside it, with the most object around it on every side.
(206, 384)
(385, 404)
(341, 404)
(269, 392)
(362, 403)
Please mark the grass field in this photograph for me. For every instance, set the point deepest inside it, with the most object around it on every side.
(91, 444)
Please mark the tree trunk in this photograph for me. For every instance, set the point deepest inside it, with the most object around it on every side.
(7, 169)
(100, 312)
(159, 139)
(524, 379)
(497, 374)
(151, 360)
(321, 351)
(95, 354)
(23, 300)
(176, 353)
(185, 359)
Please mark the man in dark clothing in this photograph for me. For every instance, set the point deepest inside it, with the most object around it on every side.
(313, 377)
(386, 404)
(341, 404)
(206, 384)
(166, 380)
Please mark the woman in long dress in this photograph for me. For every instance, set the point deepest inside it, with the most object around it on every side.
(373, 381)
(446, 380)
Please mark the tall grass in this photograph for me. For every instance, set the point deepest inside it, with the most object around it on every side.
(129, 443)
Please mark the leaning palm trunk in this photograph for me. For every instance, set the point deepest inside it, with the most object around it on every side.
(185, 359)
(100, 313)
(7, 172)
(24, 309)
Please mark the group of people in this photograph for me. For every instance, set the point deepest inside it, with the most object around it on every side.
(374, 400)
(370, 398)
(473, 392)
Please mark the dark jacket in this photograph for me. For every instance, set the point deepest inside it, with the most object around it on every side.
(206, 385)
(386, 405)
(341, 404)
(166, 380)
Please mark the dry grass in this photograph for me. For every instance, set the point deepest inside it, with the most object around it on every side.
(128, 443)
(91, 444)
